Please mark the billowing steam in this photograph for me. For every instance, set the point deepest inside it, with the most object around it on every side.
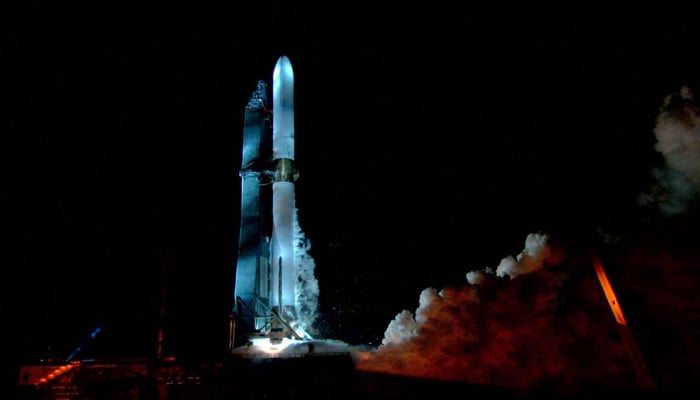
(306, 286)
(530, 259)
(540, 320)
(678, 140)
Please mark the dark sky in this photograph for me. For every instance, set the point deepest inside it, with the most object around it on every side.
(429, 142)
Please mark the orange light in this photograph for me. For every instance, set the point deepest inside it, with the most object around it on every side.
(609, 293)
(643, 377)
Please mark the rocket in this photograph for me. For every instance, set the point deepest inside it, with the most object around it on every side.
(264, 287)
(283, 183)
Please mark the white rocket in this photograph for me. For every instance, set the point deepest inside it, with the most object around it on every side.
(282, 250)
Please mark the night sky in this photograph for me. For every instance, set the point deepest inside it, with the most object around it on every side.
(430, 142)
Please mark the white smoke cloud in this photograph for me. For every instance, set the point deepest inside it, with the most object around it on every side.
(677, 134)
(536, 251)
(306, 285)
(507, 328)
(401, 329)
(530, 259)
(405, 327)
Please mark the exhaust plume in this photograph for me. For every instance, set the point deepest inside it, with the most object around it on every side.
(539, 321)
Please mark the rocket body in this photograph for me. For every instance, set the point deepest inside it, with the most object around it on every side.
(283, 274)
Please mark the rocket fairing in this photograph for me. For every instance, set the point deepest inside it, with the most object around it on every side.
(264, 298)
(283, 110)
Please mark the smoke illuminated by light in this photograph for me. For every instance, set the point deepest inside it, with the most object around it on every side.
(525, 327)
(677, 134)
(306, 285)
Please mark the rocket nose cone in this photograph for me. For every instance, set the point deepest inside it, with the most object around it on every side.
(283, 68)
